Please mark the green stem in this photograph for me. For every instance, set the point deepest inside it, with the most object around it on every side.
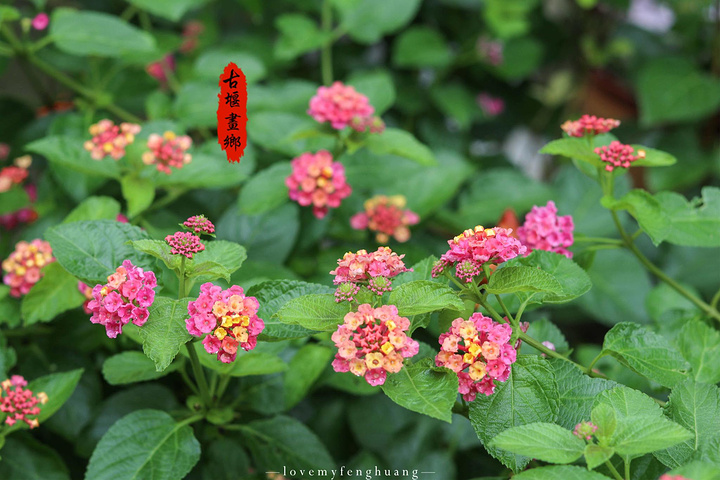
(326, 52)
(588, 370)
(612, 470)
(715, 300)
(224, 382)
(189, 420)
(188, 382)
(627, 469)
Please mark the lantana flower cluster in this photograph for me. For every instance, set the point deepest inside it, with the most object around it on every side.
(474, 247)
(20, 403)
(168, 150)
(125, 297)
(14, 174)
(110, 139)
(387, 216)
(86, 291)
(184, 243)
(585, 430)
(318, 181)
(227, 318)
(372, 343)
(24, 265)
(199, 224)
(589, 124)
(478, 350)
(339, 104)
(374, 270)
(545, 230)
(618, 155)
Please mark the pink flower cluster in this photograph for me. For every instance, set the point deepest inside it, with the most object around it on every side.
(474, 247)
(126, 296)
(374, 270)
(589, 124)
(339, 104)
(14, 174)
(199, 224)
(372, 342)
(618, 155)
(491, 106)
(184, 243)
(478, 350)
(168, 150)
(24, 265)
(318, 181)
(19, 402)
(387, 216)
(229, 319)
(585, 430)
(110, 139)
(41, 21)
(85, 291)
(159, 70)
(545, 230)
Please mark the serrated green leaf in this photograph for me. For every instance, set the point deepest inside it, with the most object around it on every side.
(165, 332)
(69, 152)
(158, 249)
(574, 281)
(641, 435)
(424, 296)
(209, 170)
(596, 455)
(94, 208)
(562, 472)
(219, 259)
(577, 393)
(58, 387)
(603, 416)
(545, 441)
(697, 470)
(511, 279)
(399, 142)
(56, 292)
(303, 370)
(628, 403)
(423, 388)
(144, 444)
(422, 270)
(315, 312)
(575, 148)
(254, 362)
(646, 352)
(131, 367)
(700, 345)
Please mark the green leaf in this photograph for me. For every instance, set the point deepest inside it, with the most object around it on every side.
(509, 19)
(646, 352)
(522, 279)
(255, 362)
(424, 296)
(298, 34)
(265, 190)
(195, 107)
(145, 444)
(694, 94)
(58, 387)
(13, 200)
(422, 270)
(695, 406)
(641, 435)
(457, 102)
(304, 369)
(315, 311)
(697, 471)
(653, 158)
(86, 33)
(399, 142)
(521, 58)
(377, 85)
(92, 250)
(55, 293)
(68, 152)
(285, 441)
(209, 171)
(545, 330)
(165, 332)
(563, 472)
(8, 14)
(212, 62)
(574, 281)
(158, 249)
(628, 403)
(423, 388)
(138, 193)
(94, 208)
(419, 47)
(575, 148)
(272, 295)
(700, 345)
(131, 367)
(367, 21)
(24, 458)
(577, 393)
(172, 10)
(219, 259)
(596, 455)
(544, 441)
(529, 395)
(603, 416)
(693, 223)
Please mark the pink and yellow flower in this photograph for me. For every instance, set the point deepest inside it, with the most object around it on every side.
(339, 104)
(589, 124)
(374, 270)
(545, 230)
(20, 403)
(318, 181)
(110, 139)
(24, 265)
(168, 150)
(387, 216)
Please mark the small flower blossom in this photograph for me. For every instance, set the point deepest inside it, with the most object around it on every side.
(490, 50)
(474, 247)
(121, 218)
(15, 174)
(545, 230)
(372, 343)
(199, 224)
(491, 106)
(184, 243)
(24, 265)
(41, 21)
(125, 297)
(589, 124)
(387, 216)
(585, 430)
(19, 403)
(618, 155)
(110, 139)
(318, 181)
(159, 70)
(374, 270)
(479, 351)
(227, 318)
(86, 292)
(339, 104)
(168, 150)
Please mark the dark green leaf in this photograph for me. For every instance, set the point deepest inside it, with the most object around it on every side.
(265, 190)
(24, 458)
(315, 311)
(545, 441)
(367, 21)
(399, 142)
(212, 63)
(56, 292)
(130, 367)
(58, 387)
(424, 296)
(138, 193)
(165, 332)
(700, 345)
(13, 200)
(304, 369)
(421, 47)
(577, 393)
(298, 34)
